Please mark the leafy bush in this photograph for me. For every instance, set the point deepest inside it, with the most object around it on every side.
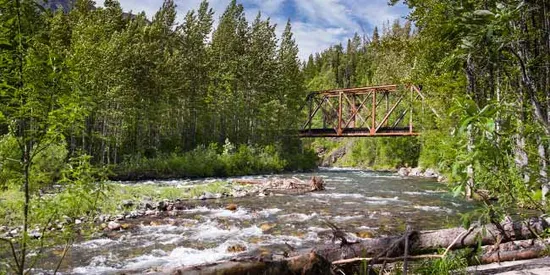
(212, 161)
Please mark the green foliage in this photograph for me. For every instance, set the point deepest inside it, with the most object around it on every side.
(453, 263)
(210, 162)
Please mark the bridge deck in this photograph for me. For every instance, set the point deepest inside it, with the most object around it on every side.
(359, 132)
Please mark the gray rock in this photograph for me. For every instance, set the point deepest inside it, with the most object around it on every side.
(162, 206)
(113, 225)
(127, 203)
(35, 234)
(119, 217)
(239, 194)
(209, 196)
(218, 196)
(403, 172)
(149, 213)
(416, 172)
(77, 221)
(430, 173)
(67, 219)
(148, 205)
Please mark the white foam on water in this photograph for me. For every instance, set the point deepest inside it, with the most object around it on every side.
(328, 169)
(367, 228)
(299, 217)
(364, 174)
(347, 218)
(433, 209)
(164, 228)
(98, 265)
(317, 229)
(337, 195)
(94, 270)
(183, 256)
(240, 214)
(281, 239)
(95, 243)
(436, 191)
(211, 231)
(382, 201)
(415, 193)
(269, 212)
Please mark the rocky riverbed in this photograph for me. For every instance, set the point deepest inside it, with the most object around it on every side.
(166, 234)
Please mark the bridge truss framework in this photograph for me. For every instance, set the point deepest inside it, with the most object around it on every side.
(362, 112)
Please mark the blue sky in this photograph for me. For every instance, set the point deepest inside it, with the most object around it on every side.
(317, 24)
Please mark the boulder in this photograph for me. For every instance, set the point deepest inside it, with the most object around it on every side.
(430, 173)
(416, 172)
(403, 172)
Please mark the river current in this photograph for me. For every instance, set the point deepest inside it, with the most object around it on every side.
(363, 203)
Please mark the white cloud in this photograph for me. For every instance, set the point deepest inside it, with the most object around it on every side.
(317, 24)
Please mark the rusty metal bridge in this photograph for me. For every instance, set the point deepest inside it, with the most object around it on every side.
(379, 111)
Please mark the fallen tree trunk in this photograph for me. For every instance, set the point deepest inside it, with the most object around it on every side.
(513, 251)
(284, 185)
(420, 242)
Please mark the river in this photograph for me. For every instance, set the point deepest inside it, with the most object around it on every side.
(362, 203)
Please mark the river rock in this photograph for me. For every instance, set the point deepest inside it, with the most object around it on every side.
(364, 234)
(416, 172)
(35, 234)
(162, 206)
(77, 221)
(236, 248)
(207, 196)
(148, 205)
(231, 207)
(239, 194)
(127, 203)
(113, 225)
(430, 173)
(267, 226)
(149, 213)
(403, 172)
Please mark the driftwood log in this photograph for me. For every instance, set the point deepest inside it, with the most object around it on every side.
(498, 239)
(284, 185)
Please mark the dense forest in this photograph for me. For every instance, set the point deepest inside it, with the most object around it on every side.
(153, 97)
(484, 65)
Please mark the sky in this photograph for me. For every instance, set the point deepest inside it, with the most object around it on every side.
(316, 24)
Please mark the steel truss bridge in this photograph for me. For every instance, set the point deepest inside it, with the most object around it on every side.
(379, 111)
